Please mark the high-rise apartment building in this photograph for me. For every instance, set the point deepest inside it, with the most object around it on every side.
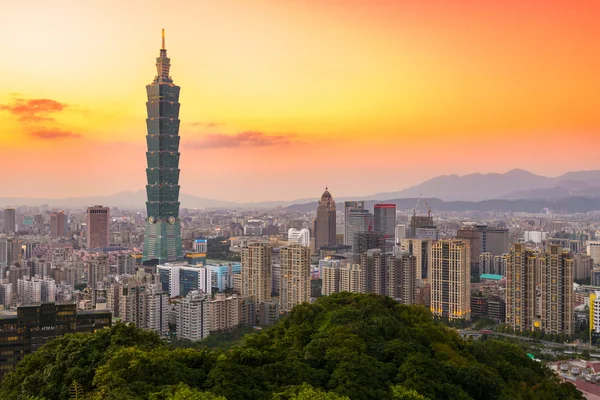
(193, 316)
(325, 223)
(491, 264)
(98, 225)
(157, 317)
(385, 221)
(300, 236)
(58, 224)
(451, 280)
(10, 220)
(421, 249)
(593, 250)
(472, 236)
(350, 206)
(256, 272)
(400, 278)
(162, 237)
(295, 276)
(539, 289)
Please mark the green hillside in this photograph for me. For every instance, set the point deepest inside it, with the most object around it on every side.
(344, 346)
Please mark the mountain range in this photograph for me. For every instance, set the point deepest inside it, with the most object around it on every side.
(452, 190)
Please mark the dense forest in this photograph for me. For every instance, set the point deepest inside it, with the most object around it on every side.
(344, 346)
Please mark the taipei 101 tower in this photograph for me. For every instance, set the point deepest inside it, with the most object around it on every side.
(162, 240)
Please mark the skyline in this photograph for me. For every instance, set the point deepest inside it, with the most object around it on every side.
(266, 97)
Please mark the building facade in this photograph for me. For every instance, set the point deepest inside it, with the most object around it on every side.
(325, 223)
(256, 272)
(450, 280)
(295, 276)
(162, 237)
(98, 227)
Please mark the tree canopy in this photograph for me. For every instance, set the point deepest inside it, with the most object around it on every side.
(342, 347)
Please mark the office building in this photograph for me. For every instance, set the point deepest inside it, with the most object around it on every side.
(295, 276)
(201, 246)
(193, 316)
(359, 221)
(421, 224)
(539, 290)
(222, 275)
(350, 206)
(10, 220)
(493, 240)
(450, 280)
(364, 241)
(34, 325)
(3, 252)
(162, 237)
(179, 278)
(98, 225)
(58, 224)
(299, 236)
(385, 221)
(325, 223)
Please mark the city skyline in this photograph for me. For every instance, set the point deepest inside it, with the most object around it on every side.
(275, 82)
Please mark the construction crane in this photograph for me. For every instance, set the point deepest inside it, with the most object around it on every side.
(417, 205)
(369, 222)
(428, 208)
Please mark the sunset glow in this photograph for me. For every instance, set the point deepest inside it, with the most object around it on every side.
(280, 98)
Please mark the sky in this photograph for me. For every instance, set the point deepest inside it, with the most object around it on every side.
(280, 98)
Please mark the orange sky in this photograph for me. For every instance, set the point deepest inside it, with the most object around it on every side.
(281, 97)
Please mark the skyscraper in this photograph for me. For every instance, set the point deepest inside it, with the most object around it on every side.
(325, 223)
(450, 280)
(58, 224)
(98, 223)
(10, 220)
(295, 276)
(349, 206)
(385, 220)
(162, 240)
(358, 221)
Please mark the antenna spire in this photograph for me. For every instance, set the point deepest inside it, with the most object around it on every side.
(163, 39)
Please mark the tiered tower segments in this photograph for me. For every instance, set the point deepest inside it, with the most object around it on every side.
(162, 240)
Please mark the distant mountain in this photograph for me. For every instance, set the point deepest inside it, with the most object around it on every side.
(478, 187)
(571, 205)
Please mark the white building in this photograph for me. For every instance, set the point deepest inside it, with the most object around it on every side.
(193, 316)
(593, 250)
(299, 236)
(180, 278)
(200, 246)
(535, 236)
(400, 233)
(36, 290)
(157, 319)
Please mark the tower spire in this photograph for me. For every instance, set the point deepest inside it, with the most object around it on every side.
(163, 39)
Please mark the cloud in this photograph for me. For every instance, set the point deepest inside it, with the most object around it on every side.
(33, 109)
(205, 124)
(242, 139)
(52, 134)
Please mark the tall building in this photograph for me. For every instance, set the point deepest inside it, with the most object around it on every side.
(593, 250)
(193, 316)
(490, 264)
(3, 252)
(157, 317)
(350, 206)
(472, 236)
(420, 222)
(162, 237)
(225, 312)
(58, 224)
(421, 249)
(256, 272)
(358, 221)
(179, 278)
(325, 223)
(539, 290)
(363, 241)
(98, 225)
(295, 276)
(400, 278)
(385, 221)
(10, 220)
(400, 233)
(493, 240)
(451, 280)
(300, 236)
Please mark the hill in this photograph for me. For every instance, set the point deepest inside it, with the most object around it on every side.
(344, 346)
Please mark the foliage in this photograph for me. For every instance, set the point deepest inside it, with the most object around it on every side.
(219, 340)
(343, 346)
